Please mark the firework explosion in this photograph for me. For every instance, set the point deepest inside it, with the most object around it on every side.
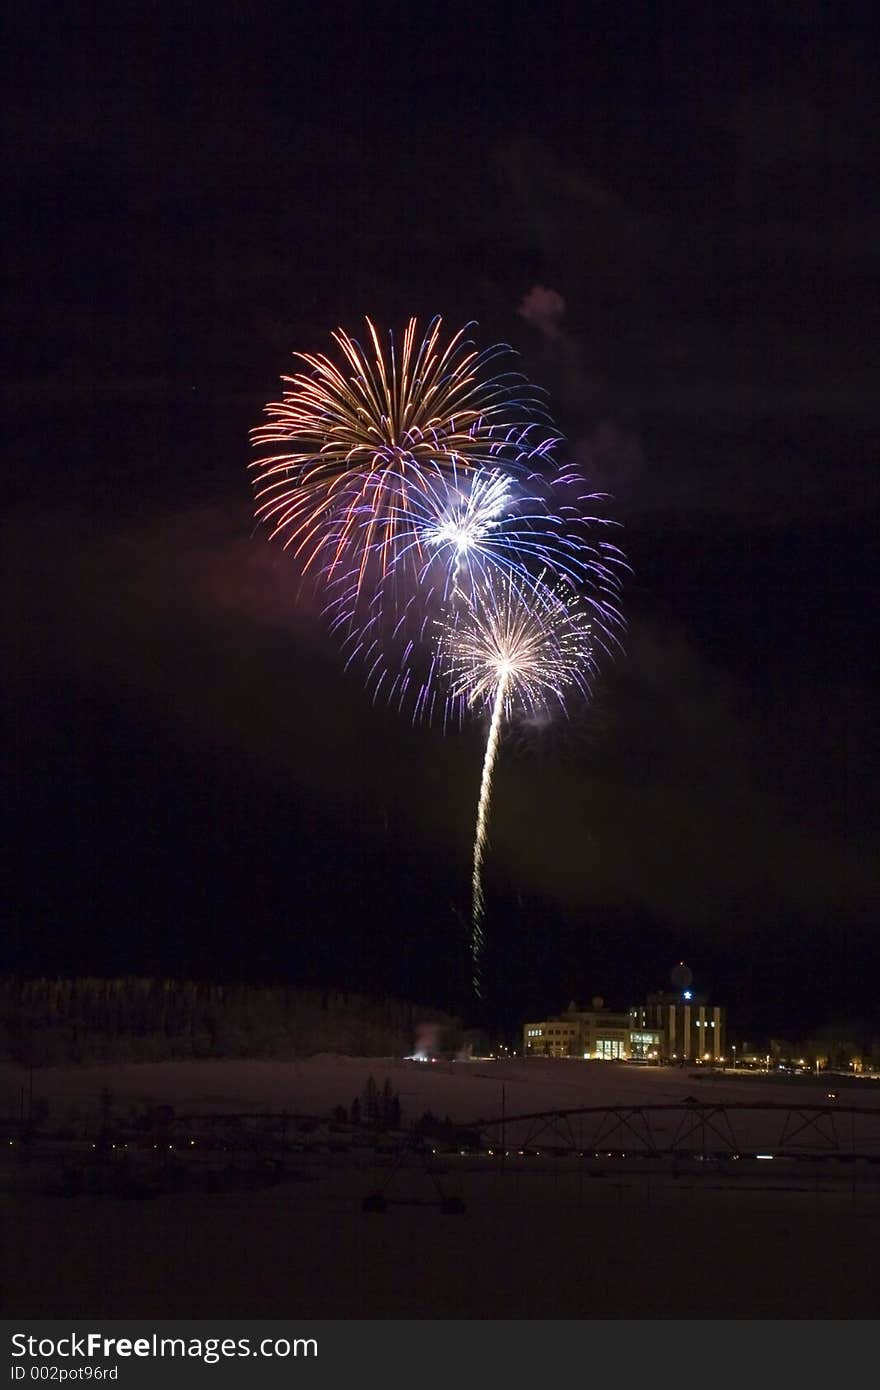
(462, 532)
(420, 493)
(514, 651)
(363, 438)
(490, 523)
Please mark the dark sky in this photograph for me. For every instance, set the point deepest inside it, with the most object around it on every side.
(671, 213)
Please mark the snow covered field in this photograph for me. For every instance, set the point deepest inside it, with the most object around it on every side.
(543, 1238)
(463, 1090)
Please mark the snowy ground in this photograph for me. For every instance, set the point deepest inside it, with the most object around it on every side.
(463, 1090)
(541, 1238)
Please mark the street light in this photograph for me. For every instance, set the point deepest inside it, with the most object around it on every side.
(733, 1045)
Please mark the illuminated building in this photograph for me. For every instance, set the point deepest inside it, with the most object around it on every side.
(685, 1025)
(594, 1033)
(675, 1025)
(691, 1030)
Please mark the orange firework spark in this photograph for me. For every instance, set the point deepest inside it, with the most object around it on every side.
(360, 436)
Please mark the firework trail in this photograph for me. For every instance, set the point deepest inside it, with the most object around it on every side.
(478, 900)
(363, 439)
(515, 650)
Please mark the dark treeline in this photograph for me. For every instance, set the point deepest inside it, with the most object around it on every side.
(51, 1021)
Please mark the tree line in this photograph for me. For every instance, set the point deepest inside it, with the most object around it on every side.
(58, 1021)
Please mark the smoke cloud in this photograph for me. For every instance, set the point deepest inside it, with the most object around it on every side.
(543, 309)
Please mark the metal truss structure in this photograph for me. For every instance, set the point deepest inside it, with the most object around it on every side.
(688, 1129)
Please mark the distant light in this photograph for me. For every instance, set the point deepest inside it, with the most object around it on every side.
(763, 1155)
(687, 994)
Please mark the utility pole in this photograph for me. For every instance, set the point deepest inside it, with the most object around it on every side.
(503, 1127)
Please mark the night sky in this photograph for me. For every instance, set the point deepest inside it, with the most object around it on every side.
(671, 213)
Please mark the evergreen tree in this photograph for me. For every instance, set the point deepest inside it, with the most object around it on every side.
(371, 1103)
